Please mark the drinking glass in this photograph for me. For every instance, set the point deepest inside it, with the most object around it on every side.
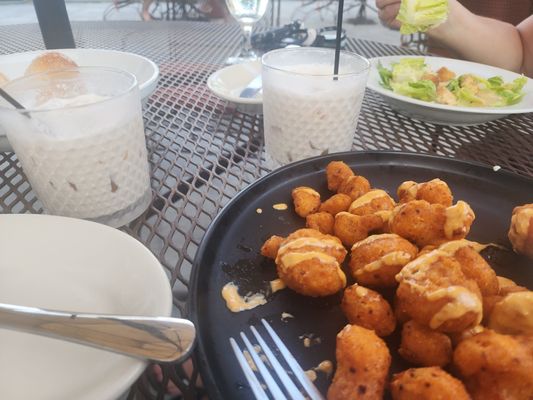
(308, 110)
(81, 142)
(247, 13)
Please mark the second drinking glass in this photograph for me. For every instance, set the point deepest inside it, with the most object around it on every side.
(247, 13)
(308, 110)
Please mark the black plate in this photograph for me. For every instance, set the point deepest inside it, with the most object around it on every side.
(230, 252)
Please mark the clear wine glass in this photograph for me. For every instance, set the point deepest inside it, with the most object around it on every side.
(247, 13)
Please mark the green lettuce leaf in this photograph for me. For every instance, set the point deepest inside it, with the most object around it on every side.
(422, 90)
(421, 15)
(453, 85)
(408, 70)
(385, 75)
(509, 93)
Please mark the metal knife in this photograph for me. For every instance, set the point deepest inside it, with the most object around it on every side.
(153, 338)
(253, 88)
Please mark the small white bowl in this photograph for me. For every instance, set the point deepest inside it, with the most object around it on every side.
(146, 71)
(75, 265)
(227, 83)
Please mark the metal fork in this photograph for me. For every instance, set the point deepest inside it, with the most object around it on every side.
(277, 393)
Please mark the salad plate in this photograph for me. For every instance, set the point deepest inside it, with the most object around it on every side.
(444, 114)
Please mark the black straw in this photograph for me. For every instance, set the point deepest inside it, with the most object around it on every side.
(338, 38)
(12, 101)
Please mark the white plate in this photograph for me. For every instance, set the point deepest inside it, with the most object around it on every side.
(445, 114)
(227, 83)
(69, 264)
(146, 71)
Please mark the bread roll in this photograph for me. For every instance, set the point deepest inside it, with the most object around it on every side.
(50, 61)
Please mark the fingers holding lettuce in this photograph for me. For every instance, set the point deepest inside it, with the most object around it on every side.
(412, 16)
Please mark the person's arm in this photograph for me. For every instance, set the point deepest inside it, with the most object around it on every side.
(487, 40)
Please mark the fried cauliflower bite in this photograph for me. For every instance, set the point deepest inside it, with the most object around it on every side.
(434, 192)
(425, 347)
(507, 287)
(321, 221)
(473, 265)
(271, 246)
(513, 315)
(434, 292)
(400, 312)
(521, 230)
(335, 204)
(376, 260)
(351, 228)
(431, 224)
(495, 366)
(336, 173)
(363, 362)
(458, 337)
(308, 262)
(367, 308)
(431, 383)
(354, 186)
(372, 202)
(306, 201)
(504, 282)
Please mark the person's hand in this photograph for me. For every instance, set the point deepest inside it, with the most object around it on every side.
(388, 10)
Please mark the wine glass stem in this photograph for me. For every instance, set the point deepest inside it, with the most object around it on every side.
(247, 37)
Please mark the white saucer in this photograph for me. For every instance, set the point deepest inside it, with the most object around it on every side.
(227, 83)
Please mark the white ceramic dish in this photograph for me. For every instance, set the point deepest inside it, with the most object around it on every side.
(445, 114)
(146, 71)
(69, 264)
(227, 83)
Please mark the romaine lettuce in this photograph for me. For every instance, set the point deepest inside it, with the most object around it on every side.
(421, 15)
(385, 75)
(422, 90)
(408, 70)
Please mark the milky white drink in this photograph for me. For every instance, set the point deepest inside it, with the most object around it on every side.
(85, 156)
(306, 111)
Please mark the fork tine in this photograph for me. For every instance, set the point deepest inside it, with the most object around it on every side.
(255, 385)
(263, 370)
(298, 371)
(280, 371)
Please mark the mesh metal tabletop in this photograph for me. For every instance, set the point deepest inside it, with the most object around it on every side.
(203, 151)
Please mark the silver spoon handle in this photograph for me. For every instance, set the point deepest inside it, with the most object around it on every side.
(154, 338)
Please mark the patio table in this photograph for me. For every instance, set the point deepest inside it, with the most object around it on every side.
(203, 151)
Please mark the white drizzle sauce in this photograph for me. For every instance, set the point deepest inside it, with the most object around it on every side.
(307, 190)
(367, 198)
(455, 219)
(373, 238)
(237, 303)
(325, 367)
(276, 285)
(389, 259)
(462, 301)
